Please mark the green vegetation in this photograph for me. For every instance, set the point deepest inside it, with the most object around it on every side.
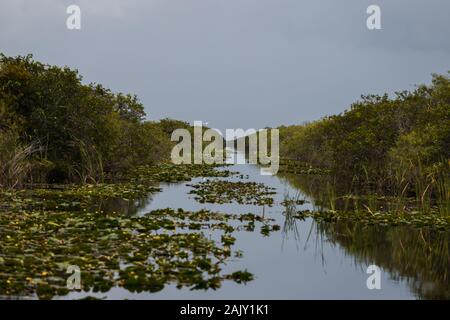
(126, 196)
(332, 204)
(415, 219)
(220, 191)
(46, 228)
(168, 172)
(292, 201)
(71, 197)
(136, 253)
(297, 167)
(398, 147)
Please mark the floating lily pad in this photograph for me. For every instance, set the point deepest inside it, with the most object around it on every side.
(220, 191)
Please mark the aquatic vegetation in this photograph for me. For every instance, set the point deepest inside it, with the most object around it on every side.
(266, 229)
(298, 167)
(168, 172)
(46, 228)
(290, 210)
(71, 197)
(414, 219)
(136, 253)
(220, 191)
(139, 184)
(241, 276)
(294, 201)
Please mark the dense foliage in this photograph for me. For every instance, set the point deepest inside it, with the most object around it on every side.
(55, 128)
(399, 144)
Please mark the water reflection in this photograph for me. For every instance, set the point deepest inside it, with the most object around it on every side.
(419, 257)
(123, 206)
(290, 227)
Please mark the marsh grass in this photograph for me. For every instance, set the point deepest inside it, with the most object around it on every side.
(427, 205)
(90, 169)
(426, 192)
(15, 161)
(290, 211)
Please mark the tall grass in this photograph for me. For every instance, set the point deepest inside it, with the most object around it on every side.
(90, 169)
(290, 212)
(416, 188)
(15, 161)
(426, 189)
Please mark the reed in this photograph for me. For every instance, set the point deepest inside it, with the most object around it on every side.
(290, 215)
(15, 161)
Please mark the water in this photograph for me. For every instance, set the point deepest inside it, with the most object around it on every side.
(312, 260)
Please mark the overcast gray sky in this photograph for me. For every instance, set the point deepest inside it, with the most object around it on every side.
(237, 63)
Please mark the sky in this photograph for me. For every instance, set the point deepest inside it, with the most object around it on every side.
(237, 63)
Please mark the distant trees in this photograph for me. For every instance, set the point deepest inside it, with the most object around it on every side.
(387, 143)
(69, 131)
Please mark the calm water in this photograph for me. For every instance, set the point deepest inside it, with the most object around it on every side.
(309, 260)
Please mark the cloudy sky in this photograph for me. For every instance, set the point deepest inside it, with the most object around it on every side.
(237, 63)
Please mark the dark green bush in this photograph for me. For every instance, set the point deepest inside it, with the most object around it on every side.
(391, 144)
(78, 132)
